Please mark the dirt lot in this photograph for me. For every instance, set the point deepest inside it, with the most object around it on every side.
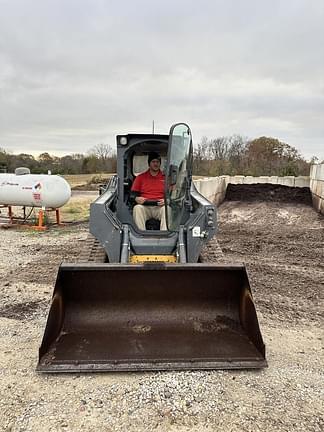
(282, 245)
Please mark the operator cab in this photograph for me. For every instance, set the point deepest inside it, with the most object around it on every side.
(175, 150)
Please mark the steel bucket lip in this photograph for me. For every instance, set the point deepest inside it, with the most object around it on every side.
(237, 266)
(143, 366)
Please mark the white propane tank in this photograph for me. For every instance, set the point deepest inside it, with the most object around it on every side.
(33, 190)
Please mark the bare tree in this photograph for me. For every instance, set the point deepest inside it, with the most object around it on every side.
(218, 148)
(106, 157)
(102, 151)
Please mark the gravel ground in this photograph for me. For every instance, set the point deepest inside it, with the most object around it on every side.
(282, 246)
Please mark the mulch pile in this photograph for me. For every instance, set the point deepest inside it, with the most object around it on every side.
(268, 192)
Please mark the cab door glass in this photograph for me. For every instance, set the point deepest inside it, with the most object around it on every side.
(178, 170)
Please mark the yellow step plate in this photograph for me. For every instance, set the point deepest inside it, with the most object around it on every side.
(135, 259)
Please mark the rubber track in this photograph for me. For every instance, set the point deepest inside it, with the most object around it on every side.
(212, 252)
(92, 251)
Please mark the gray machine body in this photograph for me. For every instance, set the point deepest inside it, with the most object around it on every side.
(111, 219)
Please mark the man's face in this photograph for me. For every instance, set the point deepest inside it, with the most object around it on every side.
(155, 165)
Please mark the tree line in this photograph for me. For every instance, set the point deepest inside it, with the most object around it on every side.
(99, 159)
(228, 155)
(236, 155)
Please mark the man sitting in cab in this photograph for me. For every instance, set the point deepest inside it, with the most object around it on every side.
(148, 194)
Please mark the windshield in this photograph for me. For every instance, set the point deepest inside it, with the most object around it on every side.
(179, 163)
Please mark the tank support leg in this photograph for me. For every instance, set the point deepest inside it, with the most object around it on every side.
(58, 218)
(10, 214)
(40, 219)
(40, 225)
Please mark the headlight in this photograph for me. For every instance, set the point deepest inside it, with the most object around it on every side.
(123, 141)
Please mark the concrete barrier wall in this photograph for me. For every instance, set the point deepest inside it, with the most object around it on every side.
(214, 188)
(301, 181)
(317, 186)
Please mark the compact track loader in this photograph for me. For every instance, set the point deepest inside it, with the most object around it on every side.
(143, 300)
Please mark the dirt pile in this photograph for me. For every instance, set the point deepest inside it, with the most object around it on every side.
(282, 246)
(268, 192)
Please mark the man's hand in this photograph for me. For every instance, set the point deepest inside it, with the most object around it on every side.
(161, 202)
(140, 200)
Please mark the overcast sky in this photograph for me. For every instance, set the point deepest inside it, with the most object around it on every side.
(74, 73)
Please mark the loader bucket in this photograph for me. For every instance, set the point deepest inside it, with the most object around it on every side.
(108, 317)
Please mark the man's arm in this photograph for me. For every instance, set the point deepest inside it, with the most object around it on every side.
(133, 195)
(136, 188)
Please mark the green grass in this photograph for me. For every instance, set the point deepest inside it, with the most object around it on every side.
(78, 208)
(76, 180)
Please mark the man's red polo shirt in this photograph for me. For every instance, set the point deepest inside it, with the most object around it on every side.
(149, 187)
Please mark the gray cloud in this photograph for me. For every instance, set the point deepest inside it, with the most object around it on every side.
(76, 73)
